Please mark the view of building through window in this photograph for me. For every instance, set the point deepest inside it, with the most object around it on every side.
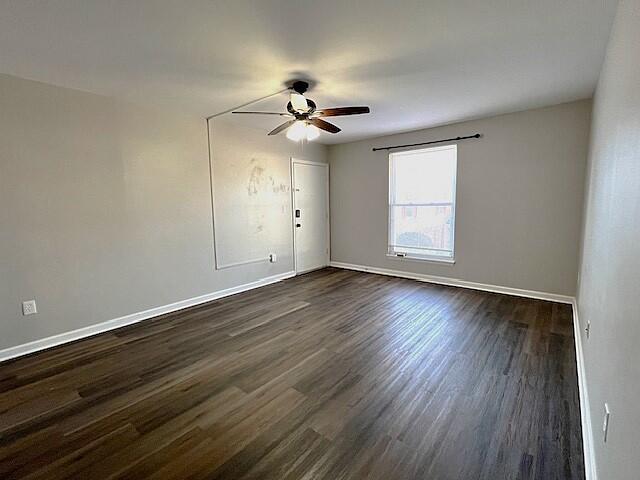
(422, 191)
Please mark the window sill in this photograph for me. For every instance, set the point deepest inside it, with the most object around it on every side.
(447, 261)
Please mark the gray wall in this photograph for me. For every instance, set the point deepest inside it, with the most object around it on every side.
(105, 210)
(519, 199)
(610, 271)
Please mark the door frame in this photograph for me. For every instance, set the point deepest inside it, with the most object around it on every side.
(293, 211)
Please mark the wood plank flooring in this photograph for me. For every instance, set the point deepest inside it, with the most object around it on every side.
(330, 375)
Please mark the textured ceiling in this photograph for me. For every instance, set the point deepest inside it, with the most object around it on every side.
(416, 63)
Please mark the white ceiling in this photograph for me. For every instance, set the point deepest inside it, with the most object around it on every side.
(416, 63)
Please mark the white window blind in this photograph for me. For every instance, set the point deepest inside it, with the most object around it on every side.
(422, 203)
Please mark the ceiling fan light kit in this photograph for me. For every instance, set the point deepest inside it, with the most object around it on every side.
(302, 131)
(305, 122)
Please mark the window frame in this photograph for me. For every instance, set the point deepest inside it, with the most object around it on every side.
(391, 247)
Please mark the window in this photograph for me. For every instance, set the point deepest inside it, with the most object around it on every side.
(422, 203)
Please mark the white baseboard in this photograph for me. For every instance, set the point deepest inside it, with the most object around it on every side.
(590, 470)
(587, 432)
(454, 282)
(91, 330)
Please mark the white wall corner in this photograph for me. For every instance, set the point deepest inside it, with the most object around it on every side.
(590, 469)
(66, 337)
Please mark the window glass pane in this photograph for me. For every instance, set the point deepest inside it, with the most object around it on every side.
(422, 202)
(425, 176)
(425, 230)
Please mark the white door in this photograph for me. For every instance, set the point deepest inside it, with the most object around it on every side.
(310, 215)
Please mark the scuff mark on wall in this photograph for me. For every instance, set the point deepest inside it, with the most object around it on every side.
(257, 180)
(282, 188)
(255, 177)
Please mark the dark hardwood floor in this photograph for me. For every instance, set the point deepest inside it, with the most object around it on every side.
(330, 375)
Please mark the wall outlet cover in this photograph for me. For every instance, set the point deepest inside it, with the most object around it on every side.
(29, 307)
(605, 423)
(588, 329)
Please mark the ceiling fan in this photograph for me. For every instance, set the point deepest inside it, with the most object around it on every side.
(305, 118)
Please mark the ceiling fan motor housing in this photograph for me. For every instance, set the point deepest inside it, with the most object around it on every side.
(300, 86)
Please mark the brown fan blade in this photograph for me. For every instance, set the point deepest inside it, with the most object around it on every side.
(340, 111)
(283, 127)
(267, 113)
(322, 125)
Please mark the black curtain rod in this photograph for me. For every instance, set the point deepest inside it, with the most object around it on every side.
(477, 135)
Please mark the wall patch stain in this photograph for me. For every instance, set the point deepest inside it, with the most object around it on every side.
(255, 178)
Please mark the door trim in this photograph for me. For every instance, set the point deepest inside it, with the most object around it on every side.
(293, 211)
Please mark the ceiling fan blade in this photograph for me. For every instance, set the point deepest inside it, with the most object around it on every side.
(340, 111)
(267, 113)
(283, 127)
(322, 125)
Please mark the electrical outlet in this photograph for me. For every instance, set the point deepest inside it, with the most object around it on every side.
(29, 307)
(273, 258)
(588, 329)
(605, 423)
